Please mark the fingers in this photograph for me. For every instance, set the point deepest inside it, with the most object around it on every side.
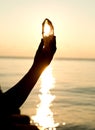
(41, 45)
(50, 50)
(53, 45)
(39, 50)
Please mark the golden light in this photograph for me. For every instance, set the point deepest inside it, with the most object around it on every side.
(44, 115)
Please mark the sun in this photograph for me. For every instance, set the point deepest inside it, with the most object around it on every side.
(46, 29)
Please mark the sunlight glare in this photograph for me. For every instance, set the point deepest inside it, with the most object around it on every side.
(47, 80)
(44, 115)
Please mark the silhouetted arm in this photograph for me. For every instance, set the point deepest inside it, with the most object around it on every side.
(15, 97)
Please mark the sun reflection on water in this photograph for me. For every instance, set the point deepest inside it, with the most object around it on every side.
(44, 115)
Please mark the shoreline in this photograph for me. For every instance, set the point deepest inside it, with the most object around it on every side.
(55, 58)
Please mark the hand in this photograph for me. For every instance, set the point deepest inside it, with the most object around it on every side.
(44, 55)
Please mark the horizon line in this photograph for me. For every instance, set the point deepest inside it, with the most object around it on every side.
(56, 58)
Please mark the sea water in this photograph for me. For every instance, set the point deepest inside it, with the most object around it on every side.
(64, 96)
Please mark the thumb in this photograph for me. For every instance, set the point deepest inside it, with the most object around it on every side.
(41, 45)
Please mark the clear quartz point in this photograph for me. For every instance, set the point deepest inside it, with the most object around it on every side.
(47, 28)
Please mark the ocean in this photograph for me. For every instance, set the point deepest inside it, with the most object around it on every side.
(64, 96)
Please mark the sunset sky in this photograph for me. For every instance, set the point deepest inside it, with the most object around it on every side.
(73, 20)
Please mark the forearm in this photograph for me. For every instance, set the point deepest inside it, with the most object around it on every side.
(15, 97)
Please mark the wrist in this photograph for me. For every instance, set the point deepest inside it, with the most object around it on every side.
(38, 67)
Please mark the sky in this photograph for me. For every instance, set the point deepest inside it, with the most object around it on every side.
(21, 27)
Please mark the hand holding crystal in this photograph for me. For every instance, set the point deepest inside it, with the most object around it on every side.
(47, 46)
